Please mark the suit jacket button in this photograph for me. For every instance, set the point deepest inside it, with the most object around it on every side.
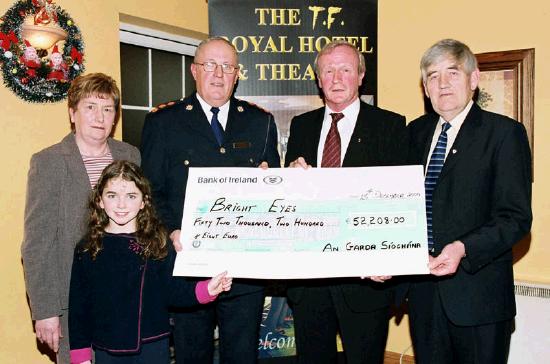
(222, 150)
(186, 162)
(251, 160)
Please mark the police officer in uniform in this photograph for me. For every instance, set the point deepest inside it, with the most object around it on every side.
(209, 128)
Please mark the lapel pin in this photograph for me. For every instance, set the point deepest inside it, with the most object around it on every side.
(454, 151)
(358, 140)
(240, 109)
(189, 107)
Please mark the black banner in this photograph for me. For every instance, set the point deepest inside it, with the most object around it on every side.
(277, 41)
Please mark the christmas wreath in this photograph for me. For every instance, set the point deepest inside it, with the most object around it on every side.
(36, 75)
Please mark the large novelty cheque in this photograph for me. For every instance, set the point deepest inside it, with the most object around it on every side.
(296, 223)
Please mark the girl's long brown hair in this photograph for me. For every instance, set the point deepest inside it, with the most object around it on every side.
(150, 234)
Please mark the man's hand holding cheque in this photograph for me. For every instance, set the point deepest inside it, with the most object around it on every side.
(299, 162)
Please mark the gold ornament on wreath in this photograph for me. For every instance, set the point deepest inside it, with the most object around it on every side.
(41, 50)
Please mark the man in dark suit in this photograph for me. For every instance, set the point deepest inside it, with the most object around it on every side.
(344, 133)
(210, 128)
(478, 194)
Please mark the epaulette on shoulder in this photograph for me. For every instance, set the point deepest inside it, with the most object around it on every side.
(251, 104)
(166, 105)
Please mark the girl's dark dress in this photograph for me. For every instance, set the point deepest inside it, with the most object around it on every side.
(120, 301)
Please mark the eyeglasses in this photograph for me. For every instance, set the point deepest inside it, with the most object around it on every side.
(210, 66)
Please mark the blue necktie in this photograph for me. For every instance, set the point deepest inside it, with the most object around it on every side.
(216, 126)
(434, 169)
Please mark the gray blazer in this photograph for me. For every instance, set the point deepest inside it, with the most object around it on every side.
(57, 194)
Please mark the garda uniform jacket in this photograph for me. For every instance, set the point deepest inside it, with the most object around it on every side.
(179, 136)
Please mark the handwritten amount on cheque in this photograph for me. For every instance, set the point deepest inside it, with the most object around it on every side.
(230, 220)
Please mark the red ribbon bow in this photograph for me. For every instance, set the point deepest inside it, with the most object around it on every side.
(45, 12)
(8, 39)
(76, 55)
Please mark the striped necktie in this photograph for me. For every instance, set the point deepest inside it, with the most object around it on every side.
(333, 146)
(434, 169)
(216, 126)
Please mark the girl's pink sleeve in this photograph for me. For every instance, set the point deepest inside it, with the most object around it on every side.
(201, 291)
(81, 355)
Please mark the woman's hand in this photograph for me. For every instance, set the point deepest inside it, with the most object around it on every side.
(48, 331)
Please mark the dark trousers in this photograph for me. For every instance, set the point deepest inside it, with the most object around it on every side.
(238, 319)
(154, 352)
(321, 313)
(437, 340)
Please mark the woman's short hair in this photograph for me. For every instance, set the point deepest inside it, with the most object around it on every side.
(94, 84)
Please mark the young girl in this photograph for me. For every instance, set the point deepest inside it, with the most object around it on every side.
(121, 283)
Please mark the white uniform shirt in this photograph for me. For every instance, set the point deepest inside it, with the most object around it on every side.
(222, 115)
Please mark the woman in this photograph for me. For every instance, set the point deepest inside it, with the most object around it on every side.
(65, 174)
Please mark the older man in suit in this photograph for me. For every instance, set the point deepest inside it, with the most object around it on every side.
(478, 204)
(210, 128)
(344, 133)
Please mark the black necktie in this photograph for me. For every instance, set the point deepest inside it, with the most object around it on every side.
(216, 126)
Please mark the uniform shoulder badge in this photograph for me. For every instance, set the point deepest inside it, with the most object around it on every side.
(253, 105)
(165, 105)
